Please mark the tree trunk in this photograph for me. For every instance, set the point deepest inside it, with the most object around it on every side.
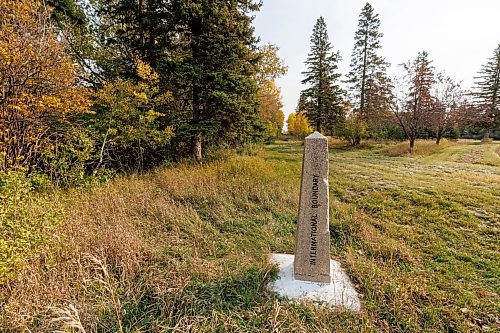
(439, 136)
(486, 134)
(412, 145)
(196, 144)
(197, 148)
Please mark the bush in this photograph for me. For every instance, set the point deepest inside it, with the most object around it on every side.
(66, 162)
(26, 221)
(452, 134)
(353, 130)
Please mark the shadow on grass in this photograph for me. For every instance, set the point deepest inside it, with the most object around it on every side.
(284, 159)
(230, 296)
(234, 293)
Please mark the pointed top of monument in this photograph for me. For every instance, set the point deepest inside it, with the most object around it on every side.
(316, 135)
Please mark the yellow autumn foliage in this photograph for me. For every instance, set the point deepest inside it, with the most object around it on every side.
(298, 124)
(270, 110)
(38, 83)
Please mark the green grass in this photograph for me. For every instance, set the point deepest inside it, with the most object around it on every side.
(185, 249)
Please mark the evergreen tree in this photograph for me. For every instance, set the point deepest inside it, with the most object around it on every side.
(322, 100)
(126, 29)
(214, 71)
(487, 93)
(67, 11)
(370, 88)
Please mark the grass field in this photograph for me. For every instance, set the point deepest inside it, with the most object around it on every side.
(184, 249)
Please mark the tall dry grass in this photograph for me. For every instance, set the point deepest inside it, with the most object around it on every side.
(145, 237)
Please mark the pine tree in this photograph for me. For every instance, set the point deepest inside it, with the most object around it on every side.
(487, 93)
(322, 100)
(67, 10)
(370, 88)
(214, 71)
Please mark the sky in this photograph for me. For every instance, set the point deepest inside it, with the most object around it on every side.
(459, 35)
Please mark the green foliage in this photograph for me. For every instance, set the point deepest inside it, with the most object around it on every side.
(67, 11)
(370, 86)
(130, 119)
(216, 74)
(67, 161)
(387, 133)
(452, 134)
(322, 101)
(27, 221)
(487, 93)
(352, 129)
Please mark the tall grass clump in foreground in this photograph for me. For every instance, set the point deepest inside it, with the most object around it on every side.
(185, 249)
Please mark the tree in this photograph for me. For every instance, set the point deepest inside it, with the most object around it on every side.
(448, 97)
(270, 108)
(105, 36)
(67, 11)
(130, 113)
(487, 93)
(298, 124)
(370, 87)
(269, 68)
(214, 71)
(353, 129)
(322, 100)
(414, 101)
(39, 92)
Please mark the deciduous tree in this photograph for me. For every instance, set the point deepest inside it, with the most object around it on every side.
(269, 68)
(270, 109)
(129, 114)
(38, 83)
(414, 100)
(299, 125)
(448, 96)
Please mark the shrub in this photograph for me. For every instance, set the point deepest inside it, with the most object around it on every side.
(26, 221)
(66, 162)
(353, 129)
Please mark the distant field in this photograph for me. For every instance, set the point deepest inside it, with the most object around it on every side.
(185, 249)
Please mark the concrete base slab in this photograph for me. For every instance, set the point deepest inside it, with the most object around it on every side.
(338, 293)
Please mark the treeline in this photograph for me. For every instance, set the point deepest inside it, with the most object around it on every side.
(420, 103)
(127, 85)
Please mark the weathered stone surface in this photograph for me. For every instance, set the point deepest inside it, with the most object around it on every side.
(312, 246)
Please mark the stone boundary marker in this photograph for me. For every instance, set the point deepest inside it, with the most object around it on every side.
(312, 241)
(310, 274)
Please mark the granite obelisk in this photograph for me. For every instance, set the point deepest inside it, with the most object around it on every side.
(312, 245)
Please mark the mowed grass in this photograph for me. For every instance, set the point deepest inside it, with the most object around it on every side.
(185, 249)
